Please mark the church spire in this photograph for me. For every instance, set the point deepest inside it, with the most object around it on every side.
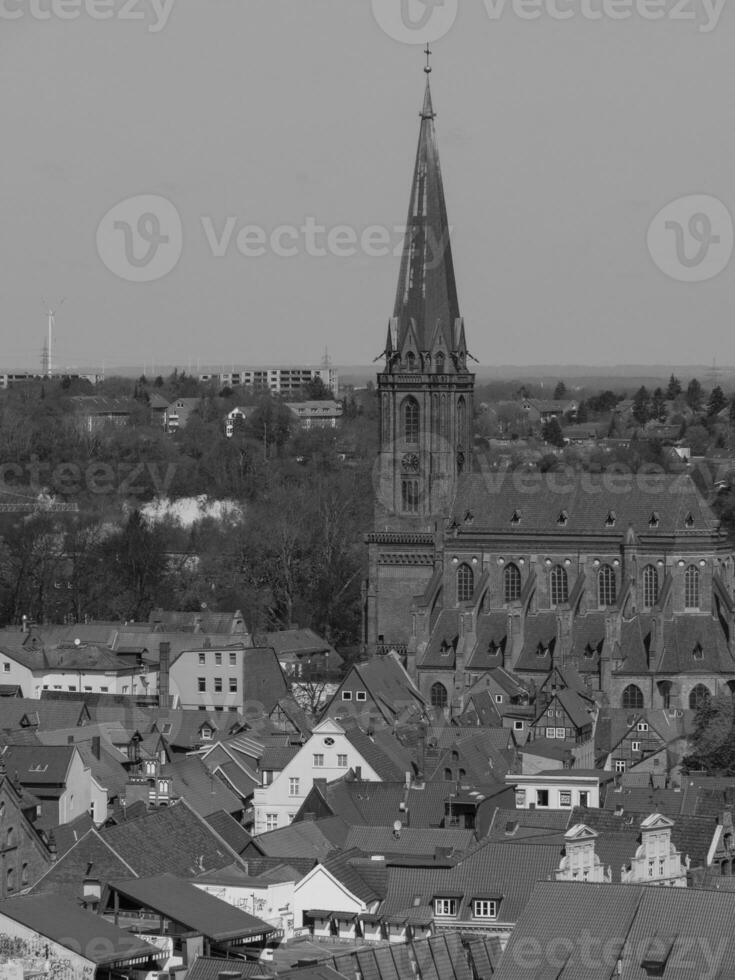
(426, 311)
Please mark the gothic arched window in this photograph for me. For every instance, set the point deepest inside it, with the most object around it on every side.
(691, 587)
(632, 697)
(606, 592)
(511, 583)
(699, 697)
(650, 586)
(465, 583)
(411, 420)
(559, 586)
(438, 695)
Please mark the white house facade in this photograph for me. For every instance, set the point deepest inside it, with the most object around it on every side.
(328, 754)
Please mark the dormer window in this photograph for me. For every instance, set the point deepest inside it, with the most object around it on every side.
(698, 652)
(689, 521)
(541, 650)
(446, 907)
(610, 519)
(485, 908)
(654, 520)
(562, 519)
(206, 734)
(516, 518)
(589, 652)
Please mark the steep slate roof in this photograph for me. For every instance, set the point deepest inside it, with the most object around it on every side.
(691, 835)
(484, 706)
(44, 715)
(492, 632)
(539, 630)
(384, 762)
(410, 840)
(426, 295)
(65, 877)
(202, 790)
(313, 838)
(375, 804)
(491, 869)
(38, 765)
(200, 621)
(389, 685)
(441, 649)
(229, 830)
(74, 928)
(360, 879)
(192, 907)
(563, 911)
(263, 677)
(588, 499)
(682, 633)
(172, 839)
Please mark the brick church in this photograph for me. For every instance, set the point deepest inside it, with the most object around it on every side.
(629, 578)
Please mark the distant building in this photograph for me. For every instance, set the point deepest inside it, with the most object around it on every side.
(316, 414)
(277, 380)
(95, 411)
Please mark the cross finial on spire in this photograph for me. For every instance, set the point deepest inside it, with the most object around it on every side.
(428, 53)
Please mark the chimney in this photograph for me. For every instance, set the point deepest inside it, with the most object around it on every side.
(96, 748)
(358, 772)
(164, 653)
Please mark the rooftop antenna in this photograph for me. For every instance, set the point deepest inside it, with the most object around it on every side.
(48, 352)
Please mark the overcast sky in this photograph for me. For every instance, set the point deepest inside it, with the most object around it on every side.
(560, 142)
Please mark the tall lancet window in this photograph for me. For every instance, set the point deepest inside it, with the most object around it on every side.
(411, 420)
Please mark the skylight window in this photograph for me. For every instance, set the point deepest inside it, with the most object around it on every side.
(654, 519)
(689, 520)
(516, 518)
(562, 518)
(610, 519)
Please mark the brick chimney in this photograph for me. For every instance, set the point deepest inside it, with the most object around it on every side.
(164, 654)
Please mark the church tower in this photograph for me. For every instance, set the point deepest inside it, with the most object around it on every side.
(426, 403)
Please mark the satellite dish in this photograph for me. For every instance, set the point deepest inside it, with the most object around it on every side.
(397, 827)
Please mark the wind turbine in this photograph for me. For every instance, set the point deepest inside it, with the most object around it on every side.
(51, 314)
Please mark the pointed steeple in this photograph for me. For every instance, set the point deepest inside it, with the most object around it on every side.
(426, 306)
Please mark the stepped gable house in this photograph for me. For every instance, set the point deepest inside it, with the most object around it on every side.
(629, 577)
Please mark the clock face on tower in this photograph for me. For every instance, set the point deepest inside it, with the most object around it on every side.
(410, 463)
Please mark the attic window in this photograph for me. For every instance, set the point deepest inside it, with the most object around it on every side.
(445, 649)
(516, 518)
(654, 519)
(562, 519)
(541, 650)
(698, 652)
(656, 956)
(166, 728)
(589, 651)
(39, 767)
(642, 726)
(610, 519)
(689, 521)
(492, 649)
(469, 517)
